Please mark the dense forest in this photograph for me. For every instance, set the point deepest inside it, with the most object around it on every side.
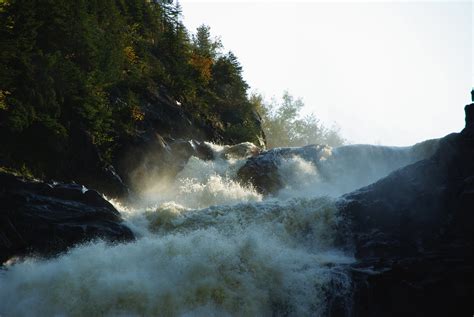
(81, 77)
(91, 65)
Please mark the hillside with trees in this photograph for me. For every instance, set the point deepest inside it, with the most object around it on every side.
(88, 87)
(95, 66)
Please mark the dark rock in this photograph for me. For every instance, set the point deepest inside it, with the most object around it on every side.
(413, 208)
(469, 130)
(46, 219)
(345, 168)
(166, 138)
(164, 121)
(429, 285)
(86, 166)
(262, 170)
(412, 236)
(156, 158)
(165, 116)
(184, 149)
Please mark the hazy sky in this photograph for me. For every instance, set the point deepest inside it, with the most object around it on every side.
(392, 73)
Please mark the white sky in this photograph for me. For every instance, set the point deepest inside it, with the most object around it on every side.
(392, 73)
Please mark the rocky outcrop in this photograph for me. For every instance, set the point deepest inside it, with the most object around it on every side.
(345, 168)
(164, 136)
(262, 170)
(89, 168)
(144, 149)
(165, 139)
(159, 159)
(412, 235)
(45, 219)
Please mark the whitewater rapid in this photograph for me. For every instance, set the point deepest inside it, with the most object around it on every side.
(206, 245)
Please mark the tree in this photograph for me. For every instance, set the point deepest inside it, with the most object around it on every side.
(204, 45)
(284, 126)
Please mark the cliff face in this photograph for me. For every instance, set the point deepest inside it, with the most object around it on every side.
(167, 137)
(156, 145)
(412, 235)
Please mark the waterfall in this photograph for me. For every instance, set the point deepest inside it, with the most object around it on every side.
(209, 245)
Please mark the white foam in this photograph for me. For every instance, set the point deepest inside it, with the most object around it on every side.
(247, 259)
(344, 169)
(203, 183)
(207, 246)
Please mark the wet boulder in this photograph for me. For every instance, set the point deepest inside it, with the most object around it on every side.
(339, 170)
(262, 170)
(240, 151)
(45, 219)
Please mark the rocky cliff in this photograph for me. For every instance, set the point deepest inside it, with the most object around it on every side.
(412, 235)
(164, 140)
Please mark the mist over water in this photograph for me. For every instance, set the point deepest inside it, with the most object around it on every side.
(210, 246)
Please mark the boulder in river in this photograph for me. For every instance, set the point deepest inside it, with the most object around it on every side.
(344, 168)
(46, 219)
(262, 170)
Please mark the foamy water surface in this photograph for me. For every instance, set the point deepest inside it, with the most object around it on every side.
(206, 246)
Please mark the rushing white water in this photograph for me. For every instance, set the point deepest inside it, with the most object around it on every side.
(207, 246)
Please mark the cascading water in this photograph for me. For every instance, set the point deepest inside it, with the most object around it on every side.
(207, 246)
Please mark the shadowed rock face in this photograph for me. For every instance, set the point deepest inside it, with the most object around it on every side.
(412, 233)
(149, 161)
(165, 139)
(45, 219)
